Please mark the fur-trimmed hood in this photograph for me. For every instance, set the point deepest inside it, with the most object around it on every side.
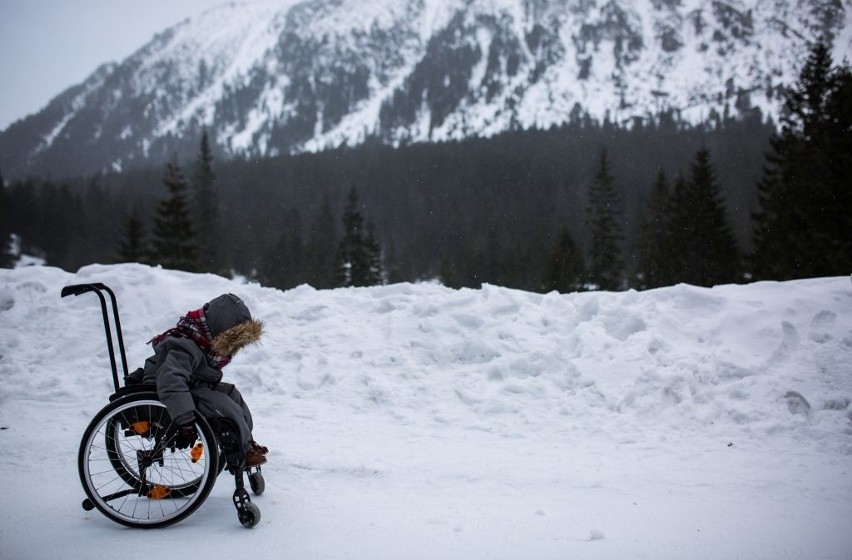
(231, 325)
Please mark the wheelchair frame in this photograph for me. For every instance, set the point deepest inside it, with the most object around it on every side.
(129, 466)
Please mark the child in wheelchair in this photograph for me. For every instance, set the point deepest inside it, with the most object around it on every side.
(187, 370)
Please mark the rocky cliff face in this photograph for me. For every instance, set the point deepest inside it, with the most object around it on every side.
(281, 76)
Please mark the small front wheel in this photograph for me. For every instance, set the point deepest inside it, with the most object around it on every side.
(257, 483)
(249, 515)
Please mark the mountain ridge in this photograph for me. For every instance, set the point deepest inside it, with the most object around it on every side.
(286, 76)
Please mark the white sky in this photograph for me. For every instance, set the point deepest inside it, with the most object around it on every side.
(49, 45)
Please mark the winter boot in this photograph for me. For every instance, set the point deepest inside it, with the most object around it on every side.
(254, 457)
(262, 449)
(256, 454)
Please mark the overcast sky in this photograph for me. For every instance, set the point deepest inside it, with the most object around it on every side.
(49, 45)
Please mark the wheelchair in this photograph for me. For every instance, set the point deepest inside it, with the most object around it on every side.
(130, 467)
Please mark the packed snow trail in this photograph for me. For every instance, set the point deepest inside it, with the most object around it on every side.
(416, 421)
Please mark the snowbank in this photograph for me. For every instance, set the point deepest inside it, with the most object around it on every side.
(416, 421)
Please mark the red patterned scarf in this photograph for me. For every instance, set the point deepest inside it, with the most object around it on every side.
(194, 327)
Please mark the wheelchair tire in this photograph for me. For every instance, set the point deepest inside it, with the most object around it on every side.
(132, 476)
(257, 483)
(249, 516)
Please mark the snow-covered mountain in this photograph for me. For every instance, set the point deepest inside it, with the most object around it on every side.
(285, 75)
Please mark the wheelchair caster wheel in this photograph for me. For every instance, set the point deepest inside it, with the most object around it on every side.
(247, 512)
(88, 505)
(249, 515)
(257, 483)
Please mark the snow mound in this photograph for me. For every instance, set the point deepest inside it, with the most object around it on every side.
(417, 421)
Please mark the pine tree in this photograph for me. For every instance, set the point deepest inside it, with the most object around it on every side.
(132, 248)
(803, 227)
(358, 250)
(348, 258)
(392, 272)
(7, 259)
(207, 208)
(680, 230)
(60, 223)
(704, 249)
(174, 244)
(606, 265)
(376, 274)
(565, 268)
(320, 249)
(448, 274)
(655, 247)
(284, 266)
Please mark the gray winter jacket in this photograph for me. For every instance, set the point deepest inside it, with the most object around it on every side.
(178, 365)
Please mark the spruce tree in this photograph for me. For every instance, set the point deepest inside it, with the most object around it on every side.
(565, 269)
(7, 259)
(803, 226)
(376, 274)
(606, 266)
(132, 248)
(174, 245)
(61, 215)
(320, 249)
(447, 275)
(705, 251)
(655, 246)
(207, 209)
(358, 250)
(284, 265)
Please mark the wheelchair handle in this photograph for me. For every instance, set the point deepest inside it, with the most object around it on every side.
(98, 288)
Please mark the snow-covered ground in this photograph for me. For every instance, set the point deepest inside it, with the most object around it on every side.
(414, 422)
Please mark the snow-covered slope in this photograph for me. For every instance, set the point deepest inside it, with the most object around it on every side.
(420, 422)
(282, 75)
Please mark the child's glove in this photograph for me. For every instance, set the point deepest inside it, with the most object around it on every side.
(186, 436)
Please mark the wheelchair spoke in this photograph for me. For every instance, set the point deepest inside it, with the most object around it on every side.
(132, 475)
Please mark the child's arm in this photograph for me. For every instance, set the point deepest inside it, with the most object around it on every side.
(180, 357)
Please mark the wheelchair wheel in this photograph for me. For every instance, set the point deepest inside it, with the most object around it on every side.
(130, 472)
(257, 482)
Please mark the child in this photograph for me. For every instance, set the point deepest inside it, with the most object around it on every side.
(187, 369)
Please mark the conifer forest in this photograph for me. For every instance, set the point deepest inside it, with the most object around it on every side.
(588, 205)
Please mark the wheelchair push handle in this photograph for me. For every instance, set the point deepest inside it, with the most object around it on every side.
(98, 288)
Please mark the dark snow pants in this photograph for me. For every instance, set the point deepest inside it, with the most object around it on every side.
(225, 401)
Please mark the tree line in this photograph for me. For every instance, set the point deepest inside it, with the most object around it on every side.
(186, 236)
(586, 205)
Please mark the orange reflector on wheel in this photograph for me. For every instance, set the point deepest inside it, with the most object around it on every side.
(196, 452)
(158, 492)
(141, 427)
